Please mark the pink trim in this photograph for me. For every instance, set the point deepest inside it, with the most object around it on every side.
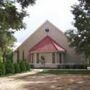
(47, 45)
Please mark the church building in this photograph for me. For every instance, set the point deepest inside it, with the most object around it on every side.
(47, 47)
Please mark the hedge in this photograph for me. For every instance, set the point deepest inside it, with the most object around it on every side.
(17, 68)
(2, 69)
(22, 66)
(76, 66)
(11, 68)
(27, 67)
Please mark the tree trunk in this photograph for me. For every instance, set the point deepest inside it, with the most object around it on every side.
(4, 54)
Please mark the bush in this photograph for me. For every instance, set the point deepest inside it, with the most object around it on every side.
(17, 68)
(80, 66)
(9, 67)
(2, 69)
(22, 66)
(31, 66)
(27, 67)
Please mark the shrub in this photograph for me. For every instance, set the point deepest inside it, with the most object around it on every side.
(31, 66)
(2, 69)
(17, 68)
(9, 67)
(9, 56)
(22, 66)
(27, 67)
(76, 66)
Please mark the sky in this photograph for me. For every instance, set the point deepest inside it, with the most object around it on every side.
(58, 12)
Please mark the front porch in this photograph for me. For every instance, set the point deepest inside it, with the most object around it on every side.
(47, 60)
(47, 53)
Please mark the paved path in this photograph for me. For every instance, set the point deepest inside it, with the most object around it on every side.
(32, 81)
(13, 82)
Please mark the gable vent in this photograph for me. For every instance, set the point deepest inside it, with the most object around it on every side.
(47, 30)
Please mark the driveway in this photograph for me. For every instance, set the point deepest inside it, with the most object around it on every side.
(33, 81)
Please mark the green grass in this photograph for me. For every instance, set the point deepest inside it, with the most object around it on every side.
(65, 71)
(11, 74)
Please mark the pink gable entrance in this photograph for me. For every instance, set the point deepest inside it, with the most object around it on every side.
(47, 45)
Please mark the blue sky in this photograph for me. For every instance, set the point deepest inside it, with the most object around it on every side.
(56, 11)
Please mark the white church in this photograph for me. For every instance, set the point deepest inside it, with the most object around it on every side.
(47, 47)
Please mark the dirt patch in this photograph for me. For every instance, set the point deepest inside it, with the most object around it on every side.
(28, 81)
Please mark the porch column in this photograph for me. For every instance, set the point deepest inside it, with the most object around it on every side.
(35, 58)
(31, 58)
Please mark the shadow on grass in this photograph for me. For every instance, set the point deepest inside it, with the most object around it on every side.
(50, 79)
(65, 71)
(71, 79)
(55, 72)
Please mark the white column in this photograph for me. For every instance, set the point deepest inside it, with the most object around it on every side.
(35, 58)
(62, 58)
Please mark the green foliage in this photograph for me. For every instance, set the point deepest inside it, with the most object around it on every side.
(25, 3)
(9, 67)
(9, 56)
(27, 66)
(76, 66)
(80, 37)
(65, 71)
(17, 68)
(22, 66)
(1, 60)
(11, 20)
(2, 69)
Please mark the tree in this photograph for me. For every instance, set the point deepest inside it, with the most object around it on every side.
(11, 20)
(80, 36)
(25, 3)
(6, 41)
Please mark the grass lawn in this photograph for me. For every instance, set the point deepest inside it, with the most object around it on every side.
(65, 71)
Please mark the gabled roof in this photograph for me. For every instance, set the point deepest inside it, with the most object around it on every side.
(47, 45)
(40, 29)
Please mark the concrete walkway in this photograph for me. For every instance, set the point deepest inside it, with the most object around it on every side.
(32, 72)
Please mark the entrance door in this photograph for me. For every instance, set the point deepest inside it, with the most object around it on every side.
(43, 61)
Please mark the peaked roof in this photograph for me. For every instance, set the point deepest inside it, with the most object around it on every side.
(46, 24)
(47, 45)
